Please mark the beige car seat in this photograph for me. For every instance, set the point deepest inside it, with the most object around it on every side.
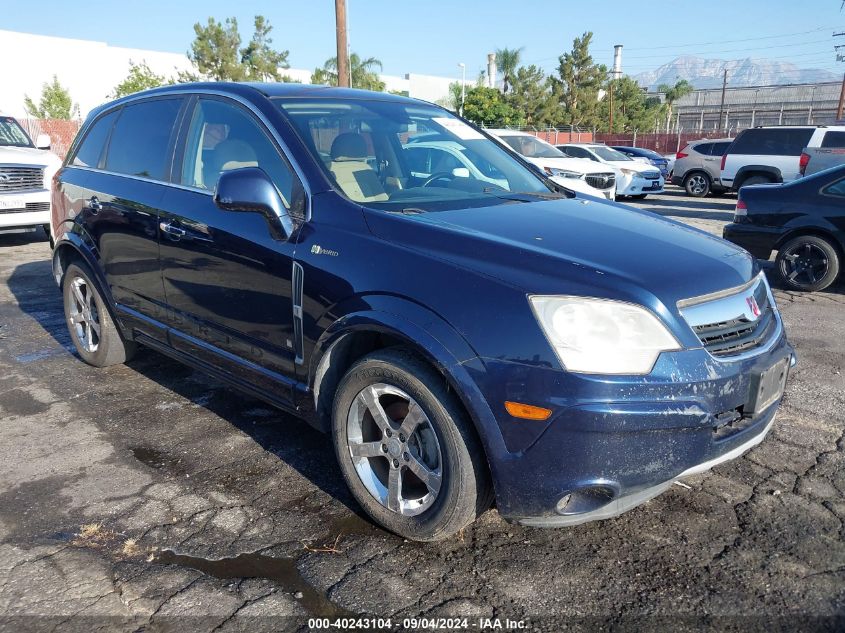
(353, 174)
(229, 154)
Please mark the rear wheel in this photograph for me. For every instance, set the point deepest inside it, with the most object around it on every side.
(808, 263)
(92, 330)
(697, 184)
(406, 449)
(756, 180)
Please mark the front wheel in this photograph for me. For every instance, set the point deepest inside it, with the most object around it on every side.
(808, 263)
(406, 449)
(92, 330)
(697, 185)
(640, 196)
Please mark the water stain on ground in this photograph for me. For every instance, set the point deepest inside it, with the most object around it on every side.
(20, 402)
(282, 571)
(153, 458)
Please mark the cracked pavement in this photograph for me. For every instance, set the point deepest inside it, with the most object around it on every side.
(149, 497)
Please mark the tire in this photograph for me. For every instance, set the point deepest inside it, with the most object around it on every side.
(640, 196)
(453, 486)
(756, 180)
(85, 313)
(697, 184)
(808, 263)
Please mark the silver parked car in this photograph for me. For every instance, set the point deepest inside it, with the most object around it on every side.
(697, 166)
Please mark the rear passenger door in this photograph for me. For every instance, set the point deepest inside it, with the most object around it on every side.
(227, 280)
(123, 204)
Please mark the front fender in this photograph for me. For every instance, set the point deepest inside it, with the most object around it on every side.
(432, 338)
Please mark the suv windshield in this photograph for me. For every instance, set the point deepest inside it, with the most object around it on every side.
(605, 153)
(532, 147)
(12, 134)
(371, 152)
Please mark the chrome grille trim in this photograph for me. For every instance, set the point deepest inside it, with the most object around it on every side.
(30, 208)
(650, 175)
(601, 181)
(727, 324)
(21, 178)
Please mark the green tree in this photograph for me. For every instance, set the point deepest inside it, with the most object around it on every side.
(578, 83)
(632, 110)
(672, 93)
(55, 102)
(261, 61)
(533, 97)
(140, 77)
(507, 60)
(489, 107)
(217, 54)
(363, 72)
(214, 51)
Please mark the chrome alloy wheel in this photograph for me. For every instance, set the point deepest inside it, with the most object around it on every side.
(394, 449)
(84, 318)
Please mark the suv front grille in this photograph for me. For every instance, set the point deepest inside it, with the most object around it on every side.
(29, 208)
(19, 178)
(601, 181)
(734, 323)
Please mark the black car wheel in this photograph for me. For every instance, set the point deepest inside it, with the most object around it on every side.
(406, 449)
(697, 184)
(92, 330)
(808, 263)
(641, 196)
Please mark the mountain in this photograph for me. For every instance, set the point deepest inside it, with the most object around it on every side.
(708, 73)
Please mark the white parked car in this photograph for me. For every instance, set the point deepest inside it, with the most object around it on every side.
(26, 170)
(574, 174)
(633, 178)
(429, 158)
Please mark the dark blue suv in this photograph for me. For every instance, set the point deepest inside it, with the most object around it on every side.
(463, 327)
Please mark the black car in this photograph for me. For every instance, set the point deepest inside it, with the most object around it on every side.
(803, 220)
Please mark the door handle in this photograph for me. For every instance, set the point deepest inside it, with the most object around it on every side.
(95, 205)
(174, 232)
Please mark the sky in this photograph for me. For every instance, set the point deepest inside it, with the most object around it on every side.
(434, 36)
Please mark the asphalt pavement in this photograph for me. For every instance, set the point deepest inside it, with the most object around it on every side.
(148, 497)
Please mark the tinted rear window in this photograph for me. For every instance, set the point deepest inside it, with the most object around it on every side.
(719, 148)
(834, 139)
(772, 142)
(704, 148)
(91, 149)
(141, 138)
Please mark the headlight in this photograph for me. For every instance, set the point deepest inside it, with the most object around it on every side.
(629, 172)
(600, 336)
(562, 173)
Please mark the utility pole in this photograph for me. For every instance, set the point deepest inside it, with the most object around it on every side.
(611, 107)
(722, 107)
(840, 110)
(342, 50)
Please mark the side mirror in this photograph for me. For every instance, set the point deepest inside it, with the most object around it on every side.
(460, 172)
(42, 141)
(250, 190)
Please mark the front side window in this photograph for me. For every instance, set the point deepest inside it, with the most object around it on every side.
(12, 134)
(94, 144)
(394, 155)
(140, 141)
(221, 137)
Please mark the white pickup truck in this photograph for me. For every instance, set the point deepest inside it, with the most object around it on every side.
(26, 170)
(816, 159)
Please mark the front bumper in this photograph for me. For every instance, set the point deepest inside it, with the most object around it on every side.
(614, 442)
(760, 241)
(634, 185)
(31, 208)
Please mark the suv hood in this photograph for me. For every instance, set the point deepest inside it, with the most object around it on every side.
(27, 156)
(580, 165)
(575, 246)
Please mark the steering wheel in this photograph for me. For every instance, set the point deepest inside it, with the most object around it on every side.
(440, 175)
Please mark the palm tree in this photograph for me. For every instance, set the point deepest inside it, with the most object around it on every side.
(362, 73)
(672, 93)
(507, 59)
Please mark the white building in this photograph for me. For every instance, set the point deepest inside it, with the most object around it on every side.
(90, 71)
